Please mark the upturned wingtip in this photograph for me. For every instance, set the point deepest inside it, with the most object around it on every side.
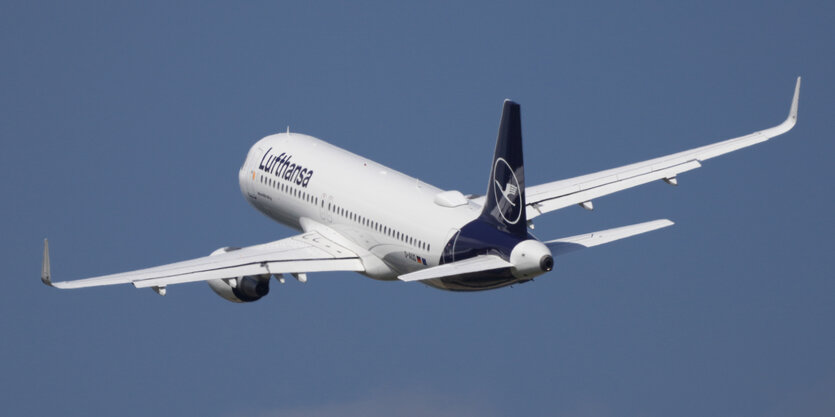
(795, 99)
(45, 270)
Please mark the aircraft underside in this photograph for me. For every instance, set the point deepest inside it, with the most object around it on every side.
(476, 281)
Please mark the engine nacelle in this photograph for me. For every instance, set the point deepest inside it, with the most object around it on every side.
(531, 258)
(240, 289)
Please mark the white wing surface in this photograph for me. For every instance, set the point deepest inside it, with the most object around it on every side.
(308, 252)
(558, 194)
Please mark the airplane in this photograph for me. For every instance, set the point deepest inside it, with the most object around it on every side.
(354, 214)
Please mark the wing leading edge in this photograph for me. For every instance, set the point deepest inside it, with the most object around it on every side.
(555, 195)
(308, 252)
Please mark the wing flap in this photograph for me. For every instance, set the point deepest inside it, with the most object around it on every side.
(586, 191)
(477, 264)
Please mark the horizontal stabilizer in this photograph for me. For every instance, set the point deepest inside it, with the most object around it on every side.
(477, 264)
(570, 244)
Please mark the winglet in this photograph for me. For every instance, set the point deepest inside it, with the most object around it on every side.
(793, 111)
(45, 273)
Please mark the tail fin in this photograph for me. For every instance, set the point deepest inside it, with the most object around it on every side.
(504, 205)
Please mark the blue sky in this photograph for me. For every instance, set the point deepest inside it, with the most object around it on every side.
(123, 126)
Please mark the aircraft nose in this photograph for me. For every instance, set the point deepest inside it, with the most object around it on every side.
(242, 178)
(246, 175)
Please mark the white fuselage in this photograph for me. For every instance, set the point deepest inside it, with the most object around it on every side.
(358, 215)
(306, 183)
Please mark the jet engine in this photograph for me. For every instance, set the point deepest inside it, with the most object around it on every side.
(240, 289)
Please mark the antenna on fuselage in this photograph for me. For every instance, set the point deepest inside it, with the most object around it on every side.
(288, 129)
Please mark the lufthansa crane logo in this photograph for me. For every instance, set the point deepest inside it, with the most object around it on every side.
(507, 192)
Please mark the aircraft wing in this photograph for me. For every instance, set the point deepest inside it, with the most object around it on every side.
(583, 189)
(308, 252)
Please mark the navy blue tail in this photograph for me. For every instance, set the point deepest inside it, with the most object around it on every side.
(504, 206)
